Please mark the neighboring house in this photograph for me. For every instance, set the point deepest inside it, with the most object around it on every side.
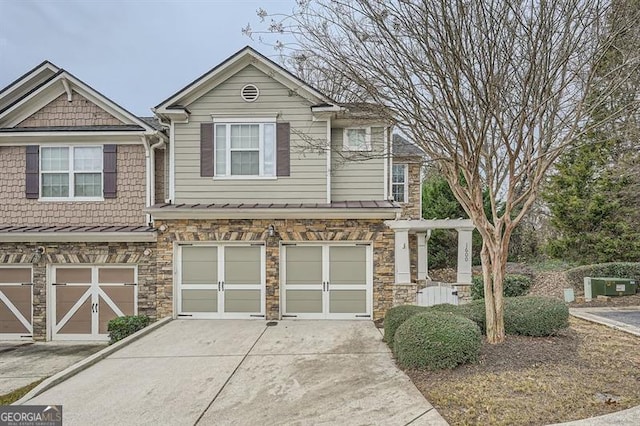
(76, 172)
(249, 195)
(278, 198)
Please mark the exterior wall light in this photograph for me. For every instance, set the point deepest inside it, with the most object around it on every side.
(272, 230)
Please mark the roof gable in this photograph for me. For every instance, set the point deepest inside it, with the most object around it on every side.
(27, 82)
(52, 94)
(229, 67)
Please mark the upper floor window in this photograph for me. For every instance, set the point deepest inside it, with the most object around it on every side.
(71, 172)
(399, 179)
(245, 149)
(357, 139)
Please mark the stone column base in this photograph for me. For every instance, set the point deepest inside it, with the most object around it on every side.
(405, 294)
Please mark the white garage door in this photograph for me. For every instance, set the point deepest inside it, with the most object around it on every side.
(327, 281)
(221, 281)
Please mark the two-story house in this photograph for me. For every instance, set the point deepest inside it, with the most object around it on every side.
(250, 194)
(76, 172)
(278, 198)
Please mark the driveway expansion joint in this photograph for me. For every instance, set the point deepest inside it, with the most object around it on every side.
(421, 415)
(230, 376)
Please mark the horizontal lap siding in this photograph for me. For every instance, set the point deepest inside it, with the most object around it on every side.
(307, 182)
(357, 179)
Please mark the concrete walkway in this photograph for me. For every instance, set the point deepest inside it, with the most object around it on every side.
(244, 372)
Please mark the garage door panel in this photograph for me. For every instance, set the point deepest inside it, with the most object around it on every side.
(122, 296)
(116, 275)
(347, 301)
(199, 265)
(20, 297)
(66, 298)
(242, 265)
(242, 301)
(105, 314)
(348, 265)
(304, 265)
(199, 300)
(73, 276)
(80, 322)
(9, 323)
(304, 301)
(15, 275)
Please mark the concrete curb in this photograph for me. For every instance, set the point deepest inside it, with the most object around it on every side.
(89, 361)
(590, 314)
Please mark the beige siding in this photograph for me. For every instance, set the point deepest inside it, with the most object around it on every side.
(79, 112)
(126, 209)
(160, 175)
(307, 182)
(354, 177)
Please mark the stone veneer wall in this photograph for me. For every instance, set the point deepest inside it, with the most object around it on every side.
(82, 253)
(374, 231)
(125, 209)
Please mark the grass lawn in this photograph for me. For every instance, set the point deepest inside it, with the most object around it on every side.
(12, 397)
(588, 370)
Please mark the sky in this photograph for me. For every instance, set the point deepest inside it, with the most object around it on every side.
(135, 52)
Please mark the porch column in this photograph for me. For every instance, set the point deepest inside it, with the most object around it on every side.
(464, 255)
(403, 271)
(422, 255)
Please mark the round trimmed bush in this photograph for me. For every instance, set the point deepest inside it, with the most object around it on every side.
(395, 317)
(514, 285)
(436, 340)
(475, 311)
(535, 316)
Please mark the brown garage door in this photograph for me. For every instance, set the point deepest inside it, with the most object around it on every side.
(15, 302)
(85, 298)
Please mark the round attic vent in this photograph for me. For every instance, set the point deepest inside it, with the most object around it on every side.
(249, 93)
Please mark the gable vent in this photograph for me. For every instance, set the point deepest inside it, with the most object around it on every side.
(250, 93)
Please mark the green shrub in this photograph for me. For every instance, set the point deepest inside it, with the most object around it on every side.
(475, 311)
(121, 327)
(535, 316)
(436, 340)
(395, 317)
(576, 276)
(514, 285)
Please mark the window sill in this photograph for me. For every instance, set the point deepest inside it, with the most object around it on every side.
(245, 178)
(347, 149)
(70, 200)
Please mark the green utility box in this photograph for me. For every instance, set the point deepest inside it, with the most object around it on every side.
(612, 286)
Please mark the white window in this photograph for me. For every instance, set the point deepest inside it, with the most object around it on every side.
(357, 139)
(71, 172)
(399, 180)
(245, 149)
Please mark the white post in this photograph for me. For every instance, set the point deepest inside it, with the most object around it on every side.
(464, 255)
(422, 255)
(403, 270)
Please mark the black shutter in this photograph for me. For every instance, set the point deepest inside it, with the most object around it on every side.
(206, 150)
(110, 170)
(283, 149)
(33, 172)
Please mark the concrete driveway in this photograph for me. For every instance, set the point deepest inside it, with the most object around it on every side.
(23, 363)
(244, 372)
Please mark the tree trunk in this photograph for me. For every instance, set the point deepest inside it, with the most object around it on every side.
(493, 271)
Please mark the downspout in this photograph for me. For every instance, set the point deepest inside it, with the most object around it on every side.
(147, 157)
(328, 160)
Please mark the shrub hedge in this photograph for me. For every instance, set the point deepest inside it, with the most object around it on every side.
(514, 285)
(121, 327)
(436, 340)
(535, 316)
(395, 317)
(576, 276)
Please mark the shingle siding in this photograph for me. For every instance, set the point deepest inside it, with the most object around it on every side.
(79, 112)
(125, 209)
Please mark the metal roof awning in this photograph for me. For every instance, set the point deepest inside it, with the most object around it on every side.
(68, 233)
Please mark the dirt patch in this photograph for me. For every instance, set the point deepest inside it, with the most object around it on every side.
(587, 370)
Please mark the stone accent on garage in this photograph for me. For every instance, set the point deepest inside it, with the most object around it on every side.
(82, 253)
(374, 231)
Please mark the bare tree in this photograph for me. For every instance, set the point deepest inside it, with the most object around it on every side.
(493, 91)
